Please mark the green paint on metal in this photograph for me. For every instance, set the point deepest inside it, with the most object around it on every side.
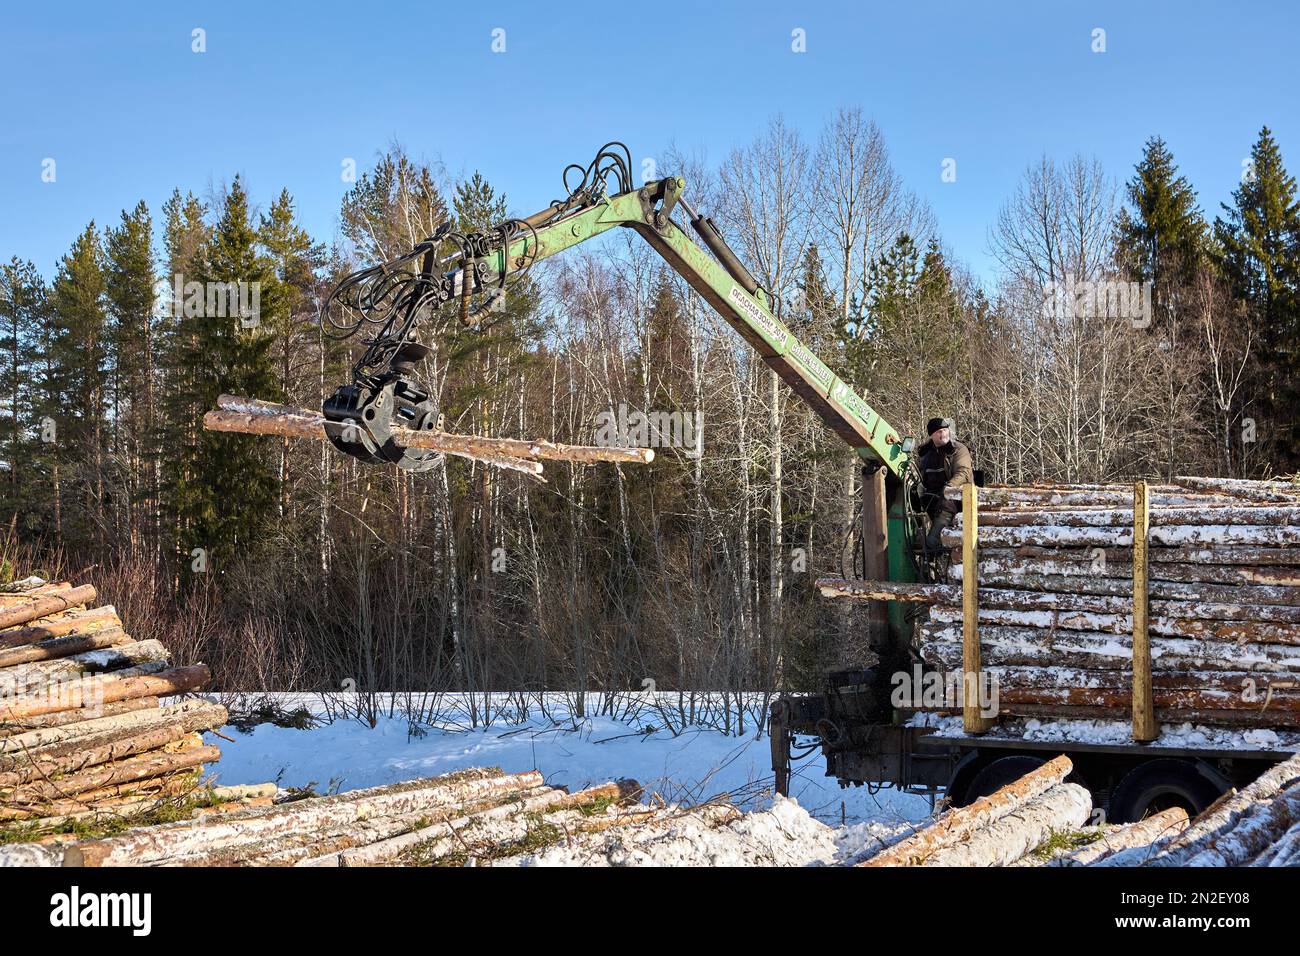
(752, 311)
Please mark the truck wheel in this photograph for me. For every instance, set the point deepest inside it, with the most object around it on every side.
(1160, 784)
(997, 775)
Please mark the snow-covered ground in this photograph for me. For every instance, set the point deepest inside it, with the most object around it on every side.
(694, 765)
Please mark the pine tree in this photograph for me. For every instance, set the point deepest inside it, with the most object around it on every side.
(1259, 239)
(81, 352)
(130, 286)
(22, 303)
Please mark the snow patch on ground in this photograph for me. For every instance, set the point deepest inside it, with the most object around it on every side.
(694, 766)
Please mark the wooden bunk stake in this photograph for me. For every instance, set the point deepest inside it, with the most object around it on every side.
(1145, 727)
(972, 720)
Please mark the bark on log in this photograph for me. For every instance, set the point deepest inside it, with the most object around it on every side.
(1254, 557)
(1025, 599)
(45, 604)
(959, 824)
(86, 694)
(1160, 826)
(1160, 535)
(80, 753)
(517, 454)
(1242, 488)
(1242, 514)
(45, 740)
(60, 625)
(1120, 584)
(473, 445)
(58, 647)
(1258, 829)
(390, 849)
(1244, 719)
(130, 655)
(887, 591)
(29, 854)
(163, 842)
(1035, 647)
(1284, 852)
(293, 847)
(289, 426)
(64, 718)
(1225, 813)
(128, 770)
(1064, 807)
(1241, 631)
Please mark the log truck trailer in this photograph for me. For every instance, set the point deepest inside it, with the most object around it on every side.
(865, 741)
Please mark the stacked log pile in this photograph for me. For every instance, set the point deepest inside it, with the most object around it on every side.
(466, 816)
(1257, 826)
(1055, 601)
(1035, 820)
(83, 732)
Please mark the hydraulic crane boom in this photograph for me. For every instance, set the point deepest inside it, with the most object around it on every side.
(470, 272)
(393, 295)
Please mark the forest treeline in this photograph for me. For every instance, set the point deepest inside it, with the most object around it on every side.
(289, 565)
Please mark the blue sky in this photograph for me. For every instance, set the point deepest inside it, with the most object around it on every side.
(286, 91)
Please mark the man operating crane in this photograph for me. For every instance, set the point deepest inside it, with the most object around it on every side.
(945, 463)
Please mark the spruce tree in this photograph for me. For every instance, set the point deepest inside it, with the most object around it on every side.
(228, 492)
(1259, 254)
(290, 314)
(1160, 237)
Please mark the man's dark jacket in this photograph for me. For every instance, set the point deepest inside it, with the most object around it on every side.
(941, 468)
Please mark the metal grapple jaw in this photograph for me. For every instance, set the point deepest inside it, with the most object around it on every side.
(359, 420)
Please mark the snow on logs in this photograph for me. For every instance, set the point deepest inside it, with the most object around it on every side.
(83, 733)
(1040, 819)
(255, 417)
(1055, 601)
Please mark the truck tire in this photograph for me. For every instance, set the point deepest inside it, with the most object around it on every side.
(1160, 784)
(997, 775)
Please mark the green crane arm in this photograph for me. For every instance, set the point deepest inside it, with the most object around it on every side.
(725, 284)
